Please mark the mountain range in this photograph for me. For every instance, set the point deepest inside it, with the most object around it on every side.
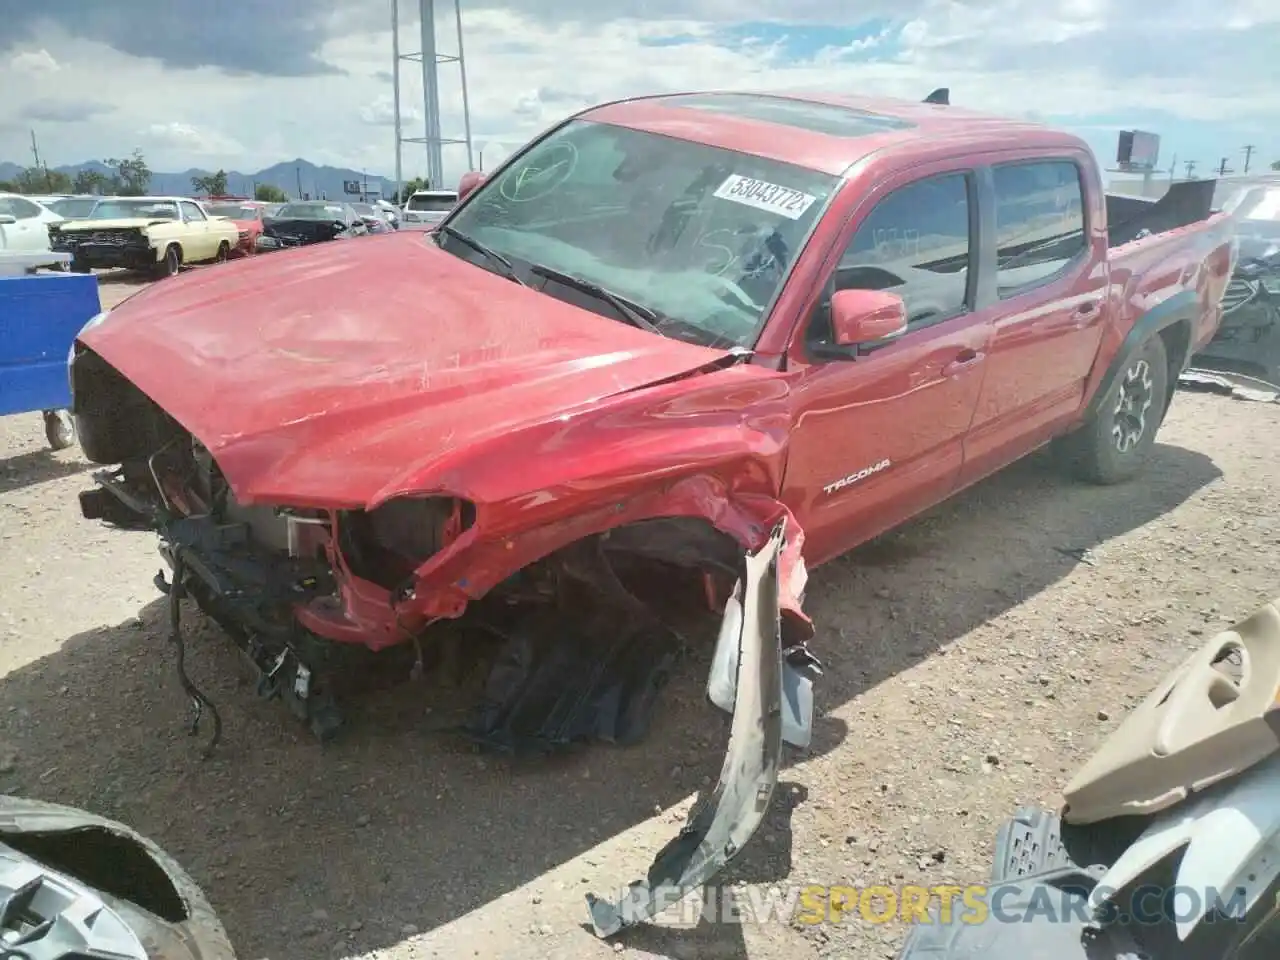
(316, 181)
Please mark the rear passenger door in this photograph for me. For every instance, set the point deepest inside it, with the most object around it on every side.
(1050, 269)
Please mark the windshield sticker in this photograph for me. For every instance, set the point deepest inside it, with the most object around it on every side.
(769, 197)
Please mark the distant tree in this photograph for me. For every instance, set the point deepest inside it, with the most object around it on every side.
(8, 186)
(1276, 165)
(409, 188)
(269, 193)
(132, 175)
(214, 185)
(91, 181)
(42, 180)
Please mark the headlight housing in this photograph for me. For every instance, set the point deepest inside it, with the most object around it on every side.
(92, 322)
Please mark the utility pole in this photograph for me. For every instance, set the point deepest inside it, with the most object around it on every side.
(1248, 152)
(1173, 169)
(35, 152)
(1222, 168)
(1191, 166)
(297, 172)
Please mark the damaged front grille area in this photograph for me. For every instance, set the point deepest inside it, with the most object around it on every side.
(388, 544)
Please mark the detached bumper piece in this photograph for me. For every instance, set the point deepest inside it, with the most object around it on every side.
(721, 826)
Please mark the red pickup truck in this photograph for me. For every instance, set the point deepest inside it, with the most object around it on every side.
(668, 334)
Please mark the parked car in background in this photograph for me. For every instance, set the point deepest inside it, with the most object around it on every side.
(373, 217)
(156, 234)
(391, 212)
(248, 217)
(428, 206)
(301, 222)
(74, 208)
(24, 225)
(1248, 342)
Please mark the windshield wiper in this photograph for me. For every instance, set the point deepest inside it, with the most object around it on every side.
(503, 264)
(633, 313)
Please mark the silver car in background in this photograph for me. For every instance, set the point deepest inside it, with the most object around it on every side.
(428, 207)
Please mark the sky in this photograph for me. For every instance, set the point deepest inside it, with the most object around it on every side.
(224, 83)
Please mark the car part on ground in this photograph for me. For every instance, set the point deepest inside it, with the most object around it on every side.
(1181, 801)
(728, 816)
(75, 886)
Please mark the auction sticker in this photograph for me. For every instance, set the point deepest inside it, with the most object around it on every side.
(763, 195)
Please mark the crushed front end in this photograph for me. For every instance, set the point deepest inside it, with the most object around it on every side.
(104, 247)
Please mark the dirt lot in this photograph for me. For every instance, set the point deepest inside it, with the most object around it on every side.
(975, 657)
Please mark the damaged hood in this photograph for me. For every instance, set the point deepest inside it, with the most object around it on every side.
(122, 223)
(338, 374)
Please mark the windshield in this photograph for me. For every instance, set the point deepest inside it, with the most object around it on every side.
(310, 211)
(431, 204)
(73, 208)
(235, 211)
(124, 209)
(700, 235)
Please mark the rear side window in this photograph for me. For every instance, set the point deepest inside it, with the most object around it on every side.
(1039, 222)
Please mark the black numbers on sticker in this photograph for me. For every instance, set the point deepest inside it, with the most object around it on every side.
(769, 194)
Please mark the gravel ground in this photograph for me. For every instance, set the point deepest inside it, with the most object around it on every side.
(975, 657)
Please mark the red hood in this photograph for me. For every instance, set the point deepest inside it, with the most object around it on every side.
(338, 373)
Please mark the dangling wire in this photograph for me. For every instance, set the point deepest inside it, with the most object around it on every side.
(199, 701)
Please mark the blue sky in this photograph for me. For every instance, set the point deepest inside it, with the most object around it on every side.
(256, 85)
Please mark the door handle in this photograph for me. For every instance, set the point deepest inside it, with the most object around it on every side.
(966, 359)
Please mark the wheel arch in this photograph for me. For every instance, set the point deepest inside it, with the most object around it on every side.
(1172, 322)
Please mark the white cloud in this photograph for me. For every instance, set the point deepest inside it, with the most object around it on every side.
(34, 61)
(531, 63)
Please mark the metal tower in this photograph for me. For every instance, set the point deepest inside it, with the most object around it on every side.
(430, 59)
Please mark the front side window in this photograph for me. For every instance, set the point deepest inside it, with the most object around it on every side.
(192, 212)
(22, 209)
(1039, 222)
(914, 243)
(698, 236)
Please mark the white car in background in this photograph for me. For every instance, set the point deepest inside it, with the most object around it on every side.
(24, 225)
(428, 206)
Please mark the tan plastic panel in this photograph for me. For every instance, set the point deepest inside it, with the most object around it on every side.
(1196, 728)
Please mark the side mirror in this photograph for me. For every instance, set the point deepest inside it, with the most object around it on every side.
(470, 180)
(6, 219)
(863, 316)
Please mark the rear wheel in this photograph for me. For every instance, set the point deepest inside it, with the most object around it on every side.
(1114, 443)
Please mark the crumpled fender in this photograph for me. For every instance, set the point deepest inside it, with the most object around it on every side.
(720, 827)
(470, 568)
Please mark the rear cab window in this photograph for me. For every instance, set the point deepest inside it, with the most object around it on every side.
(1040, 223)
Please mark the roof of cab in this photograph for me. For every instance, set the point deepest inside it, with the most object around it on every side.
(825, 132)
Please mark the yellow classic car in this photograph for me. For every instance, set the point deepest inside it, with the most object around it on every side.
(156, 234)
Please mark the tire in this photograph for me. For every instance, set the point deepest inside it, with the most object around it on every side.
(59, 429)
(224, 252)
(80, 266)
(1113, 445)
(29, 825)
(172, 262)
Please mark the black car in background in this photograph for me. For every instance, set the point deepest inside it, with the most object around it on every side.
(302, 222)
(1248, 342)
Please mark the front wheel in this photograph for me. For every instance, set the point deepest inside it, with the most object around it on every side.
(224, 252)
(1114, 443)
(172, 262)
(59, 429)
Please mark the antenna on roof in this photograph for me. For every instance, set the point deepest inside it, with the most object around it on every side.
(941, 96)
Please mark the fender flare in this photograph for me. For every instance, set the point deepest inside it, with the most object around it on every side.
(1179, 308)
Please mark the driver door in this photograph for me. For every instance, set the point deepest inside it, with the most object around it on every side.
(879, 430)
(201, 243)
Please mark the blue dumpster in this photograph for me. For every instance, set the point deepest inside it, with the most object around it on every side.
(40, 316)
